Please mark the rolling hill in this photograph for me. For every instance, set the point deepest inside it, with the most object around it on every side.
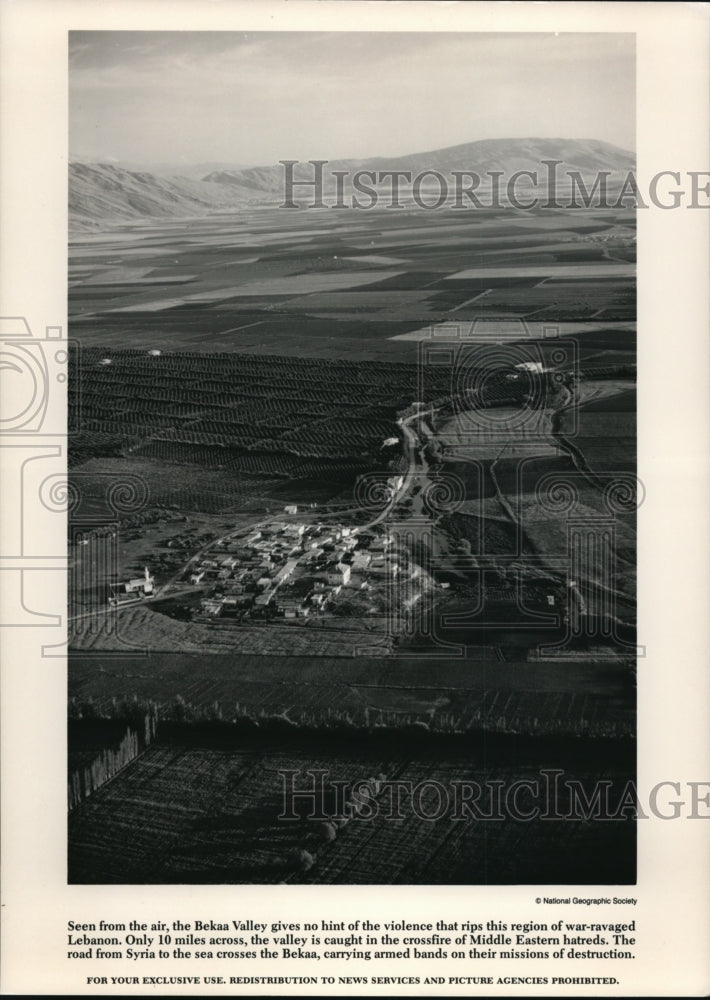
(487, 155)
(101, 195)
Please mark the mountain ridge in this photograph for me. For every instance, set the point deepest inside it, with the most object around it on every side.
(102, 194)
(481, 156)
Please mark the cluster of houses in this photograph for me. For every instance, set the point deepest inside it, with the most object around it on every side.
(290, 569)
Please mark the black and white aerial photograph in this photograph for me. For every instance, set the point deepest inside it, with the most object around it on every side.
(352, 458)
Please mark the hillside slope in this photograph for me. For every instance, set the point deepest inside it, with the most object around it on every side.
(487, 155)
(103, 194)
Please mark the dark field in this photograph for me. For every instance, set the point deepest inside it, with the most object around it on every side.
(480, 691)
(201, 811)
(224, 432)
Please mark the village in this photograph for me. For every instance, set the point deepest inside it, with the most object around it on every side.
(290, 569)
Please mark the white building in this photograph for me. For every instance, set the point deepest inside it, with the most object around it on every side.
(142, 586)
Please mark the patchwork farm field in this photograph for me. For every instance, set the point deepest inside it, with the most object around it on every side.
(349, 285)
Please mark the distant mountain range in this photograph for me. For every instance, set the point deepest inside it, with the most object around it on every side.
(484, 156)
(195, 171)
(104, 194)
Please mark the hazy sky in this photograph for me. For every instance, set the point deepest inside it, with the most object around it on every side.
(189, 97)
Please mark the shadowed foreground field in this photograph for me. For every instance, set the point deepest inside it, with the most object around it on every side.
(566, 696)
(200, 807)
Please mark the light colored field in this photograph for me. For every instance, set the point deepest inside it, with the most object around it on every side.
(216, 294)
(553, 246)
(496, 433)
(553, 224)
(137, 277)
(118, 275)
(239, 260)
(550, 239)
(594, 269)
(562, 220)
(374, 258)
(167, 279)
(487, 330)
(302, 283)
(154, 306)
(434, 241)
(470, 229)
(100, 238)
(337, 301)
(96, 254)
(250, 239)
